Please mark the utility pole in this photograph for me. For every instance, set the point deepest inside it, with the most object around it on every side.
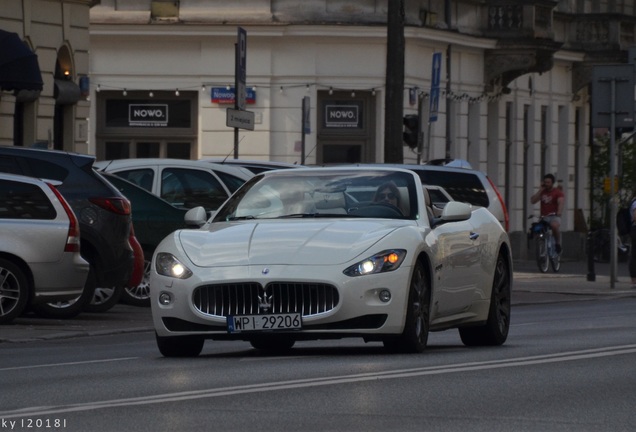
(394, 98)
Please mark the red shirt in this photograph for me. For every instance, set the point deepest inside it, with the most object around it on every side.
(550, 201)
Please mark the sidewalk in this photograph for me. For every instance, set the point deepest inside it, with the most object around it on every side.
(529, 287)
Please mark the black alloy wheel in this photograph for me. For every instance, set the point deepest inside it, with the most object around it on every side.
(415, 335)
(14, 291)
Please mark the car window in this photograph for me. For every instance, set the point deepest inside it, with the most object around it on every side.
(140, 177)
(437, 196)
(324, 194)
(24, 201)
(188, 188)
(463, 187)
(33, 167)
(231, 182)
(9, 165)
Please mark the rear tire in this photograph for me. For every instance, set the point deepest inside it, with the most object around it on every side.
(14, 291)
(556, 263)
(179, 346)
(495, 331)
(70, 308)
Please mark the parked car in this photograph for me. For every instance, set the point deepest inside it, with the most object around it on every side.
(255, 166)
(153, 219)
(293, 255)
(103, 214)
(462, 183)
(40, 257)
(183, 183)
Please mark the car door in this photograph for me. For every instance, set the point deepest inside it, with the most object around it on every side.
(456, 273)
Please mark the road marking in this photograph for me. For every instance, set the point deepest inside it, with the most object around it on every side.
(68, 363)
(315, 382)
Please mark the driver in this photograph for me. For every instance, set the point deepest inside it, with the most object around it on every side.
(388, 193)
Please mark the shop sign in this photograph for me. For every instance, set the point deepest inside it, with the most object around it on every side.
(148, 115)
(222, 95)
(342, 116)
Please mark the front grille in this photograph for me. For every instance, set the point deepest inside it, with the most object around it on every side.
(277, 297)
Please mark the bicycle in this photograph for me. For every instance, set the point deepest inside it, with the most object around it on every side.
(601, 246)
(545, 250)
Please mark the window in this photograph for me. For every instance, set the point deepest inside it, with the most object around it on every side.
(24, 201)
(141, 177)
(464, 187)
(188, 188)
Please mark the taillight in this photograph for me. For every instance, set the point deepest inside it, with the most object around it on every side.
(503, 206)
(116, 205)
(73, 237)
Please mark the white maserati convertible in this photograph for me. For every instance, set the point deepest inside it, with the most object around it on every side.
(327, 253)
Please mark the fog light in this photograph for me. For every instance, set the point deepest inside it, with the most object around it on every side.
(385, 295)
(165, 299)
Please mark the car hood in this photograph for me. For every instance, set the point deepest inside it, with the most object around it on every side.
(283, 242)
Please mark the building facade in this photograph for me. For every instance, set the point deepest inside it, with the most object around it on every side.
(513, 95)
(53, 114)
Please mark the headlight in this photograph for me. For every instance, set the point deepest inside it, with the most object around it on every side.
(384, 261)
(168, 265)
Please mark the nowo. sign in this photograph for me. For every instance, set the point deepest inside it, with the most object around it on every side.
(148, 115)
(342, 116)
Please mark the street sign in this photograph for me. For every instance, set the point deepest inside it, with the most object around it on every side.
(241, 69)
(620, 103)
(436, 73)
(239, 119)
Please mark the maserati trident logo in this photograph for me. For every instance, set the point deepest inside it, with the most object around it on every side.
(264, 301)
(265, 271)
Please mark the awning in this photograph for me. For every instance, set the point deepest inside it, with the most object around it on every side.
(19, 68)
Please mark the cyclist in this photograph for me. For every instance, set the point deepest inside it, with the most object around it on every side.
(632, 235)
(552, 202)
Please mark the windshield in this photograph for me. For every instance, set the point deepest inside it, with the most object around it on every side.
(324, 193)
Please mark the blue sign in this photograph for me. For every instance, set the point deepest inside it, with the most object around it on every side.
(436, 73)
(222, 95)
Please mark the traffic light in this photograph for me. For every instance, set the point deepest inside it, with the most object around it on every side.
(411, 133)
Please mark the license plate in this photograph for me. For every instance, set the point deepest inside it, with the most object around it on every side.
(248, 323)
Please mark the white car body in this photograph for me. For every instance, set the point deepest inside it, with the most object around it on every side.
(449, 261)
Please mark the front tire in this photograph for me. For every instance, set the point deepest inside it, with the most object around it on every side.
(179, 346)
(104, 299)
(495, 331)
(14, 291)
(542, 255)
(415, 335)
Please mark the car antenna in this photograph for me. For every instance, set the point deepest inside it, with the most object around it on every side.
(109, 162)
(231, 151)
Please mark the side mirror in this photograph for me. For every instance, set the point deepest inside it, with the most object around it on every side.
(456, 211)
(196, 217)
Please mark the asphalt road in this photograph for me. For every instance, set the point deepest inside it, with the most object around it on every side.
(530, 287)
(567, 366)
